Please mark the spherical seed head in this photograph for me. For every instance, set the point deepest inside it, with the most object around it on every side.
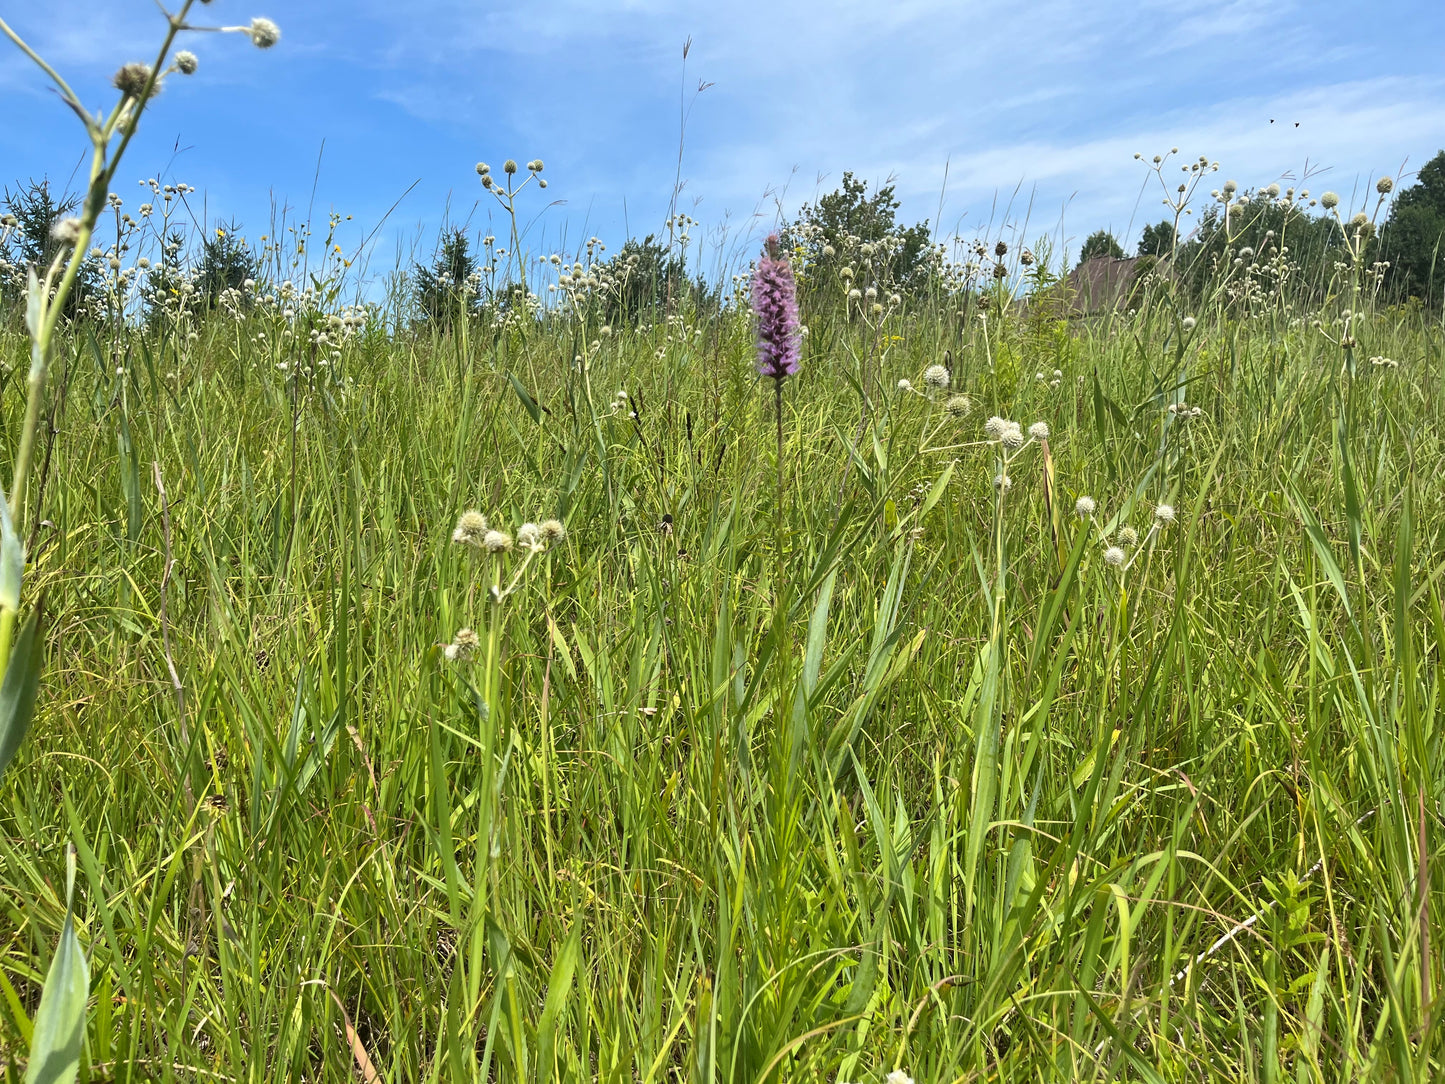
(1013, 436)
(496, 542)
(1189, 323)
(1039, 430)
(1000, 249)
(829, 250)
(529, 536)
(1114, 556)
(66, 231)
(466, 638)
(541, 182)
(995, 427)
(905, 384)
(1002, 482)
(936, 376)
(131, 79)
(483, 169)
(775, 309)
(1230, 188)
(264, 33)
(1128, 536)
(1273, 191)
(535, 165)
(471, 528)
(1330, 200)
(1084, 507)
(1164, 513)
(1384, 186)
(186, 62)
(958, 406)
(509, 166)
(552, 531)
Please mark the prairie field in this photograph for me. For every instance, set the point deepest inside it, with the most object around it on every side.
(489, 682)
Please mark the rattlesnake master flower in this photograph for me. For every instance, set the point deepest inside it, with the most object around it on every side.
(1128, 536)
(529, 536)
(1039, 430)
(496, 542)
(552, 531)
(1189, 323)
(66, 231)
(1114, 556)
(1002, 482)
(957, 406)
(936, 376)
(186, 62)
(995, 427)
(1164, 513)
(131, 79)
(775, 306)
(1329, 201)
(1384, 186)
(1012, 436)
(905, 384)
(509, 166)
(463, 646)
(263, 33)
(898, 1076)
(1084, 507)
(471, 529)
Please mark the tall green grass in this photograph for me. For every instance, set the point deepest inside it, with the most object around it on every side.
(978, 806)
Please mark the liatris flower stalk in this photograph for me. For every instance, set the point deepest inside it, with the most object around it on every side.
(775, 305)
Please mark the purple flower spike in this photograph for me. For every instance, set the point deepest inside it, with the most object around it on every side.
(775, 302)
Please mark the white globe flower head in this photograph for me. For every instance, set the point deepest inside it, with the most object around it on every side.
(905, 384)
(936, 376)
(995, 427)
(1084, 507)
(1329, 201)
(1189, 323)
(1039, 430)
(898, 1076)
(1128, 536)
(1012, 437)
(1164, 514)
(1114, 556)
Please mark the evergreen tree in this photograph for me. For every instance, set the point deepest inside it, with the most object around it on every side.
(1101, 243)
(450, 287)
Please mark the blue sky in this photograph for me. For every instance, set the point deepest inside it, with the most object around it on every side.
(987, 110)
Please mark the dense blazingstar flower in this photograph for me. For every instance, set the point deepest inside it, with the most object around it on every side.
(775, 305)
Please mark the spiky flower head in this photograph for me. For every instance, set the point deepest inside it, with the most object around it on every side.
(186, 62)
(529, 536)
(995, 427)
(483, 169)
(898, 1076)
(552, 531)
(1127, 536)
(775, 307)
(1230, 188)
(936, 376)
(471, 528)
(463, 646)
(131, 79)
(1384, 186)
(1114, 556)
(496, 541)
(1084, 507)
(509, 166)
(958, 406)
(1164, 513)
(1012, 436)
(1189, 323)
(905, 384)
(1329, 201)
(1039, 430)
(535, 165)
(66, 231)
(1002, 482)
(263, 33)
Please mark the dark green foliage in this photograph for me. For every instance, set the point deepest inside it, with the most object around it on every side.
(646, 277)
(448, 288)
(1157, 240)
(1101, 243)
(1414, 235)
(226, 262)
(37, 210)
(849, 217)
(1256, 232)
